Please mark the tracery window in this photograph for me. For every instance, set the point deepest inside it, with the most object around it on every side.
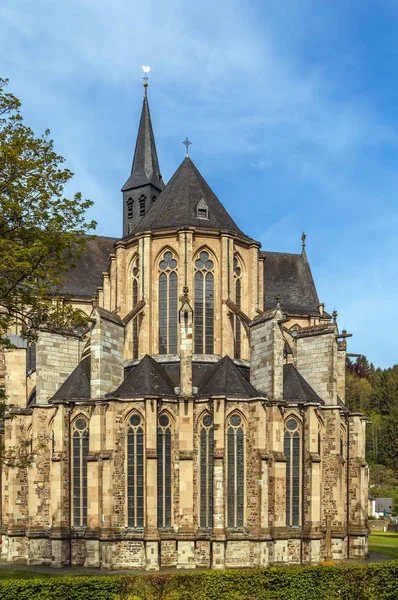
(164, 471)
(206, 471)
(142, 205)
(235, 471)
(292, 449)
(135, 472)
(168, 308)
(80, 446)
(204, 304)
(238, 302)
(135, 296)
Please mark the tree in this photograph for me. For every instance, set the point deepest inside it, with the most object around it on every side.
(41, 232)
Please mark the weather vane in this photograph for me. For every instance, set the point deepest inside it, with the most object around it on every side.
(145, 78)
(187, 143)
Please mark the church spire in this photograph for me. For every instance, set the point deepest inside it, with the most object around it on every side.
(145, 182)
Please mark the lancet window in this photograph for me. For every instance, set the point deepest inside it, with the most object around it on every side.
(238, 302)
(168, 306)
(204, 304)
(292, 449)
(135, 296)
(135, 472)
(206, 472)
(164, 471)
(80, 446)
(235, 469)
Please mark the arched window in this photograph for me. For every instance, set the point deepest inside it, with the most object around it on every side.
(235, 469)
(292, 449)
(80, 439)
(142, 205)
(204, 304)
(130, 205)
(238, 302)
(168, 306)
(206, 472)
(135, 296)
(164, 471)
(135, 472)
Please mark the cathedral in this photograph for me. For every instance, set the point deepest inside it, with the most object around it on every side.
(199, 420)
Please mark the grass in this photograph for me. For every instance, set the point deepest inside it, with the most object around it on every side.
(384, 542)
(20, 574)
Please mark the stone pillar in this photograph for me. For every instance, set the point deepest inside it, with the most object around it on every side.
(185, 426)
(112, 283)
(266, 354)
(151, 513)
(358, 485)
(56, 358)
(60, 486)
(107, 353)
(312, 513)
(186, 343)
(341, 358)
(317, 360)
(226, 276)
(15, 376)
(277, 469)
(219, 505)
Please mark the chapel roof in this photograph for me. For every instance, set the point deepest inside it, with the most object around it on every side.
(177, 204)
(296, 388)
(145, 168)
(225, 378)
(290, 277)
(77, 385)
(146, 379)
(83, 281)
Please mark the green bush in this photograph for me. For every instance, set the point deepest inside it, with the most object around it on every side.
(376, 581)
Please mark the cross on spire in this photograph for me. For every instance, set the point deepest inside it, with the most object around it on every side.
(187, 143)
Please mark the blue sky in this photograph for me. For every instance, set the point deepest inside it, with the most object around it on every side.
(291, 106)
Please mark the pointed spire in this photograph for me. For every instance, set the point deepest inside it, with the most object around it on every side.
(145, 168)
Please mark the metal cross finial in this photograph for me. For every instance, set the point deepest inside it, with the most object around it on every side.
(145, 78)
(187, 143)
(303, 236)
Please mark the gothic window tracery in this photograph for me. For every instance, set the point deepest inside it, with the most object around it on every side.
(135, 472)
(164, 471)
(292, 450)
(135, 295)
(204, 304)
(206, 471)
(80, 447)
(168, 303)
(238, 302)
(235, 471)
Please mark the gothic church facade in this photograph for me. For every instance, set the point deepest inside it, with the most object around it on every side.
(200, 420)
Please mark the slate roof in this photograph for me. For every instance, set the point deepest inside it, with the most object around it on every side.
(146, 379)
(145, 168)
(83, 281)
(176, 205)
(77, 386)
(226, 379)
(295, 387)
(289, 275)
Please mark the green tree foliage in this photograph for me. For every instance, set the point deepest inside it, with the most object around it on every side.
(41, 232)
(375, 393)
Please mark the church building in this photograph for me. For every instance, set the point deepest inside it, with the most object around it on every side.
(199, 421)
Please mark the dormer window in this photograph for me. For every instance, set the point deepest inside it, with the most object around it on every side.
(142, 206)
(202, 210)
(130, 208)
(153, 199)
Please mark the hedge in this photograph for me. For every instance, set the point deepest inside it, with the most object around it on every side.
(375, 581)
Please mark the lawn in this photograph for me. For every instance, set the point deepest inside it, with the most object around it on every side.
(384, 542)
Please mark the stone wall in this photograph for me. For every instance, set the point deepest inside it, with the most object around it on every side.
(56, 357)
(317, 360)
(107, 353)
(266, 349)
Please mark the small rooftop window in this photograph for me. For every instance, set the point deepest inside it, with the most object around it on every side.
(142, 206)
(202, 210)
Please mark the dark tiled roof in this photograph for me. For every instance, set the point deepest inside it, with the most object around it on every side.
(176, 205)
(77, 386)
(83, 281)
(108, 316)
(148, 378)
(295, 387)
(145, 168)
(289, 275)
(226, 379)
